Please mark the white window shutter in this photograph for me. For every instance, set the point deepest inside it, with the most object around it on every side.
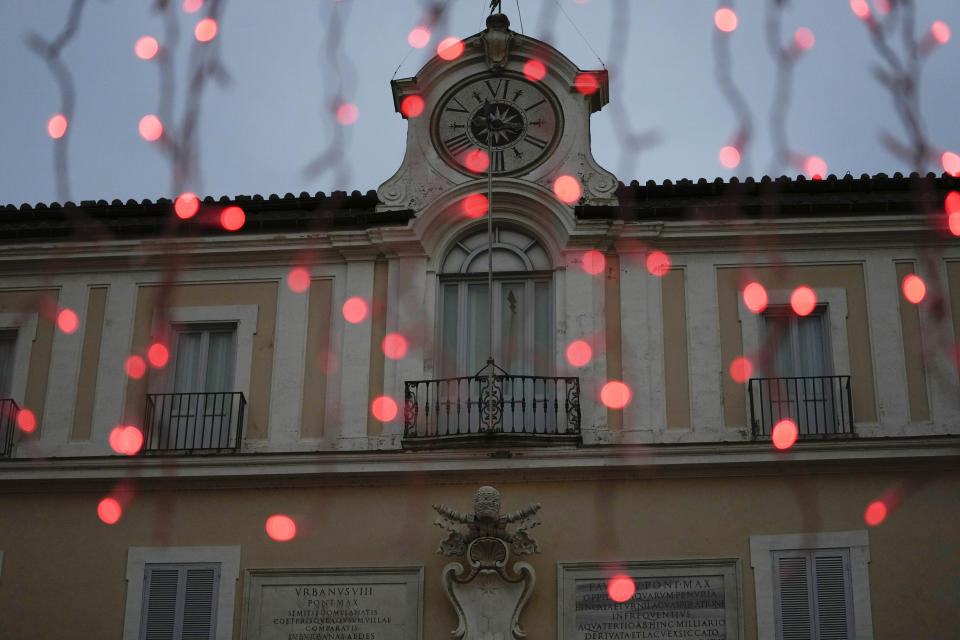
(160, 603)
(794, 602)
(199, 610)
(831, 569)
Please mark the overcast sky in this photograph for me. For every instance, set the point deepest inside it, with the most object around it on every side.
(259, 132)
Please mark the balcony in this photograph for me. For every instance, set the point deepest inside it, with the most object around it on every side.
(821, 406)
(492, 410)
(193, 422)
(8, 425)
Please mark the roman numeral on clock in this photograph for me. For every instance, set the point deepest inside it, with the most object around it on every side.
(495, 90)
(457, 143)
(537, 142)
(459, 108)
(498, 161)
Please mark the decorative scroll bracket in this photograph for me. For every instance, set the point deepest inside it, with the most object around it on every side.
(490, 595)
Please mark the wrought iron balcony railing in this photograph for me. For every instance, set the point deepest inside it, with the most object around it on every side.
(535, 409)
(821, 406)
(193, 422)
(8, 425)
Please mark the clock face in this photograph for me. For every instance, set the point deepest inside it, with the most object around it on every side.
(520, 129)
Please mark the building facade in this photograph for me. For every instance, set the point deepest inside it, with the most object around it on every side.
(328, 362)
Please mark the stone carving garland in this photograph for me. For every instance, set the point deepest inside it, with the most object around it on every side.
(489, 595)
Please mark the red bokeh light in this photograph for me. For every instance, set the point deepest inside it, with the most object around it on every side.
(206, 30)
(158, 355)
(860, 8)
(954, 221)
(951, 163)
(347, 113)
(755, 297)
(57, 126)
(567, 189)
(914, 289)
(450, 48)
(384, 408)
(815, 167)
(26, 420)
(804, 38)
(146, 47)
(186, 205)
(658, 263)
(784, 434)
(281, 528)
(354, 310)
(951, 203)
(940, 32)
(126, 440)
(418, 37)
(729, 157)
(741, 369)
(475, 205)
(579, 353)
(534, 70)
(594, 262)
(67, 321)
(135, 366)
(726, 19)
(394, 346)
(621, 588)
(232, 218)
(109, 510)
(803, 300)
(615, 394)
(298, 279)
(586, 83)
(476, 160)
(875, 513)
(411, 106)
(192, 6)
(150, 128)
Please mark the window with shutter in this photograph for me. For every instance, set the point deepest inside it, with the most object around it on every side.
(179, 602)
(813, 594)
(812, 586)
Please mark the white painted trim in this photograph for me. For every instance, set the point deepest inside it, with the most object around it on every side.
(761, 559)
(245, 317)
(26, 326)
(289, 353)
(139, 557)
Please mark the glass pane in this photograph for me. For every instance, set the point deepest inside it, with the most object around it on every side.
(8, 340)
(219, 374)
(810, 348)
(778, 336)
(187, 374)
(542, 336)
(478, 328)
(512, 328)
(448, 338)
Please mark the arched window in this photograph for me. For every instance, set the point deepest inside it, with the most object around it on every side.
(522, 304)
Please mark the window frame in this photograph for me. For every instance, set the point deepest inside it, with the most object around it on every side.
(138, 558)
(25, 326)
(855, 543)
(205, 329)
(243, 317)
(783, 317)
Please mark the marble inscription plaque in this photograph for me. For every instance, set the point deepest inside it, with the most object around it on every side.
(334, 604)
(679, 599)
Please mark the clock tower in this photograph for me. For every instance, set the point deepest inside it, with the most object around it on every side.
(509, 105)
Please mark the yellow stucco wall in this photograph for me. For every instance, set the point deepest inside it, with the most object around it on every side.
(64, 569)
